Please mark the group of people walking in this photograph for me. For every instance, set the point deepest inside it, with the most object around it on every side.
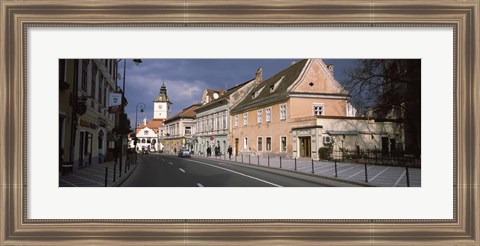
(216, 149)
(217, 152)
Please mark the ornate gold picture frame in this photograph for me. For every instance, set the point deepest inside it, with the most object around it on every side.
(17, 16)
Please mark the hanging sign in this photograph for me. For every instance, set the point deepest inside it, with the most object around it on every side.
(115, 99)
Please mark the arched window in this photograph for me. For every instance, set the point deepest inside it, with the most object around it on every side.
(100, 139)
(143, 140)
(148, 140)
(154, 141)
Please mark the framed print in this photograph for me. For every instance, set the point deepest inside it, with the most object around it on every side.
(39, 38)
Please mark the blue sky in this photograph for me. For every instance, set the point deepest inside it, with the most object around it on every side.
(186, 79)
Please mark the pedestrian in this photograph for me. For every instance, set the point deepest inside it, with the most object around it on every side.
(229, 152)
(209, 151)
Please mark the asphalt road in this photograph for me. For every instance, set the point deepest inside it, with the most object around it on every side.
(156, 170)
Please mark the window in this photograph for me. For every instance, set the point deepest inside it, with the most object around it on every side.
(100, 90)
(245, 143)
(283, 111)
(259, 144)
(269, 143)
(245, 119)
(236, 121)
(268, 114)
(188, 130)
(84, 74)
(94, 77)
(275, 86)
(100, 139)
(105, 96)
(259, 116)
(318, 109)
(283, 144)
(145, 132)
(225, 120)
(255, 94)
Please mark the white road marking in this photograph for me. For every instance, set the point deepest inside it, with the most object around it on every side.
(347, 169)
(182, 170)
(361, 171)
(200, 185)
(245, 175)
(170, 163)
(400, 178)
(379, 174)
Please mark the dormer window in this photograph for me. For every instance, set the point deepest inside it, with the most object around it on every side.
(275, 86)
(145, 132)
(255, 94)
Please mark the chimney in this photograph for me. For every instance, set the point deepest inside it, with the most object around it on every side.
(330, 68)
(258, 75)
(145, 121)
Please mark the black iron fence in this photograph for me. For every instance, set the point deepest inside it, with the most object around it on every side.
(374, 157)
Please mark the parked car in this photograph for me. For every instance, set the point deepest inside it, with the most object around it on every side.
(184, 153)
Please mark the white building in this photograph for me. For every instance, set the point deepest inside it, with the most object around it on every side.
(148, 133)
(213, 117)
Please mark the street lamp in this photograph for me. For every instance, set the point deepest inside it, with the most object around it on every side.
(136, 119)
(137, 62)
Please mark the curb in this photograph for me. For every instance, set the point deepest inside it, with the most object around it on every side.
(287, 172)
(125, 177)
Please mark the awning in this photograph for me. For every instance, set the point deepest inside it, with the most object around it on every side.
(343, 132)
(354, 132)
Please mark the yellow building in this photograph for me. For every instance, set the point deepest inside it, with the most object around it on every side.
(178, 130)
(86, 126)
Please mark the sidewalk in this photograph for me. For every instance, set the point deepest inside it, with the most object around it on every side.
(377, 175)
(94, 175)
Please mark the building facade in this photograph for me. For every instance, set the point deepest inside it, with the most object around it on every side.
(178, 130)
(291, 113)
(147, 134)
(85, 121)
(212, 119)
(147, 137)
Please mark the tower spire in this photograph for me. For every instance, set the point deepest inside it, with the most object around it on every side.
(162, 104)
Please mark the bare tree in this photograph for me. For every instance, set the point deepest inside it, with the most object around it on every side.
(390, 88)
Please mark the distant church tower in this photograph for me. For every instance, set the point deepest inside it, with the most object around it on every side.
(162, 106)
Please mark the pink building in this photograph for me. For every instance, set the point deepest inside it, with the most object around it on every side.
(299, 110)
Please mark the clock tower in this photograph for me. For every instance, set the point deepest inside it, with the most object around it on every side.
(162, 106)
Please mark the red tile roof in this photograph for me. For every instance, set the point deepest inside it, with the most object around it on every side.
(154, 124)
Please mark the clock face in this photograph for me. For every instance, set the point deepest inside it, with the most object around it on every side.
(160, 106)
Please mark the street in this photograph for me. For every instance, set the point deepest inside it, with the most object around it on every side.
(155, 170)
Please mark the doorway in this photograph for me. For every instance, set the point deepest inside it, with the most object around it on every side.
(385, 146)
(305, 146)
